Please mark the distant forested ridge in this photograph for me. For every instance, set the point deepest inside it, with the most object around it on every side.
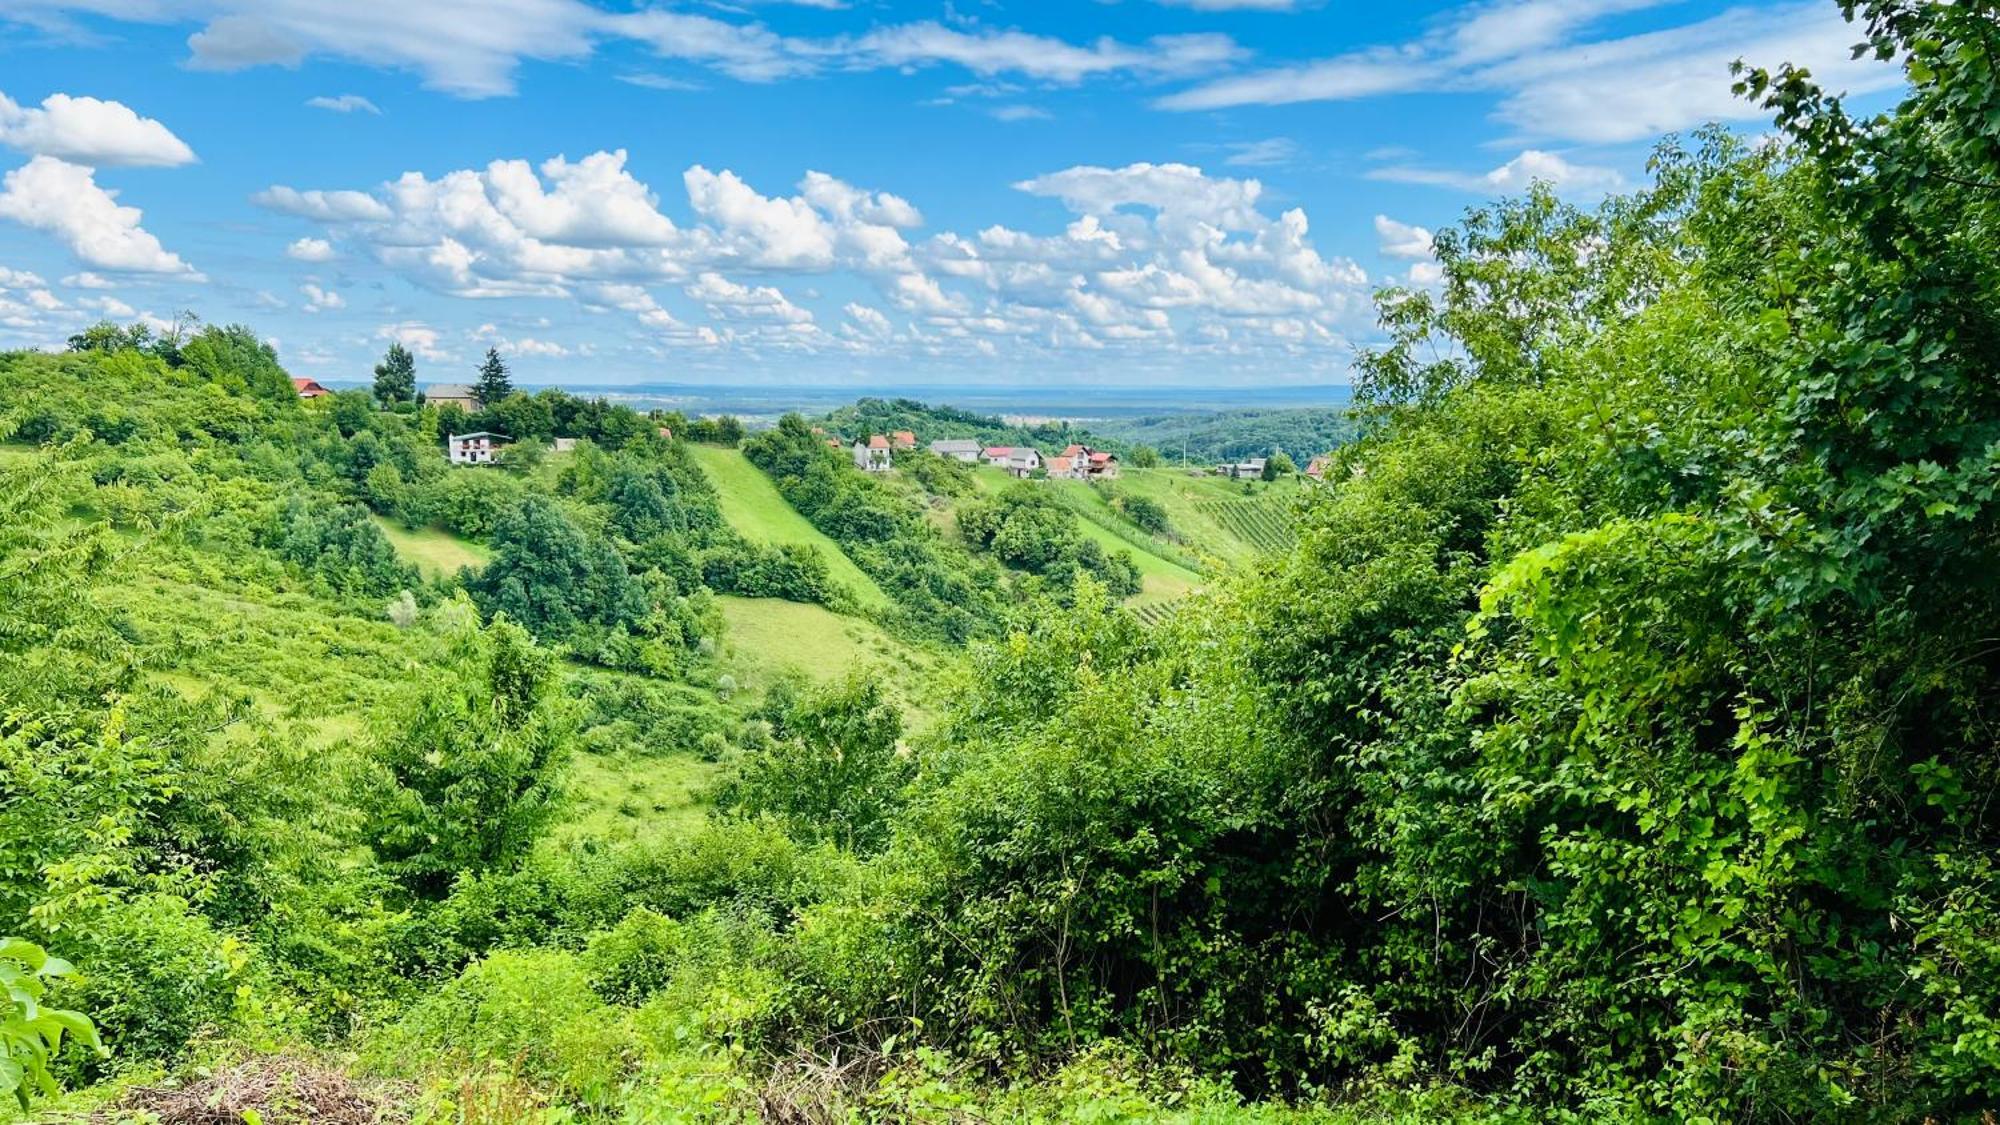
(1610, 736)
(885, 416)
(1232, 435)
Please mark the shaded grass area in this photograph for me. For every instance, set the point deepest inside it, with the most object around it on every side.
(758, 512)
(435, 552)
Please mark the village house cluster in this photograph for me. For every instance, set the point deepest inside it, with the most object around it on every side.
(876, 453)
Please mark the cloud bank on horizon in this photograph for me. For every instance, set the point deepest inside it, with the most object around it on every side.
(1153, 190)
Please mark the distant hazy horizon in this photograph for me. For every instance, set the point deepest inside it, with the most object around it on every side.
(769, 400)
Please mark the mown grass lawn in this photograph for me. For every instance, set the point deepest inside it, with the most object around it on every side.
(436, 552)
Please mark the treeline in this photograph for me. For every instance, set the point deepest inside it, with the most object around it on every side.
(885, 416)
(1207, 438)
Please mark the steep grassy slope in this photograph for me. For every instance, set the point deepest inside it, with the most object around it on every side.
(752, 505)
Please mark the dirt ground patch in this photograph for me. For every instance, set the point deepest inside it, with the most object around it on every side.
(274, 1090)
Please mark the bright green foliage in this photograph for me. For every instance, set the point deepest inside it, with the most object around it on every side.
(474, 764)
(31, 1033)
(396, 376)
(833, 771)
(493, 385)
(552, 578)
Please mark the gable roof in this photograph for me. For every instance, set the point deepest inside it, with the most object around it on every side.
(955, 445)
(997, 451)
(877, 441)
(308, 388)
(1060, 464)
(448, 390)
(1073, 449)
(480, 433)
(1101, 458)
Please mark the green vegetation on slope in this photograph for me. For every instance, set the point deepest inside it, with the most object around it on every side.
(754, 507)
(1208, 438)
(1614, 743)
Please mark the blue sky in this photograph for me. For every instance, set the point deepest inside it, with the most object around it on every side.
(1132, 192)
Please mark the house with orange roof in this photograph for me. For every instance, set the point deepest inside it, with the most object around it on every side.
(872, 456)
(307, 388)
(903, 439)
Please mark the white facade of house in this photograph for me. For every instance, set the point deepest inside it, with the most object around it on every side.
(475, 449)
(872, 456)
(1021, 462)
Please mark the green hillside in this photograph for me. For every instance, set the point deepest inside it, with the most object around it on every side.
(752, 505)
(434, 551)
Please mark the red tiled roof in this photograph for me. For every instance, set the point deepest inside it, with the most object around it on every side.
(998, 451)
(1099, 458)
(877, 441)
(1060, 464)
(1072, 450)
(307, 388)
(904, 437)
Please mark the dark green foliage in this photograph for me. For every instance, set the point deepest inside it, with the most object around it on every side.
(939, 476)
(473, 768)
(1277, 465)
(723, 430)
(340, 546)
(553, 578)
(792, 571)
(468, 502)
(1027, 528)
(1148, 513)
(493, 385)
(396, 376)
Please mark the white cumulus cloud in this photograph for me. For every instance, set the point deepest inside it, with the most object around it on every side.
(310, 250)
(64, 199)
(86, 130)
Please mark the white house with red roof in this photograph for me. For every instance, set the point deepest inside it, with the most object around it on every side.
(872, 456)
(308, 388)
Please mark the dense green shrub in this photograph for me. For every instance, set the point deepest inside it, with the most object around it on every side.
(531, 1012)
(834, 770)
(474, 763)
(1028, 528)
(341, 546)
